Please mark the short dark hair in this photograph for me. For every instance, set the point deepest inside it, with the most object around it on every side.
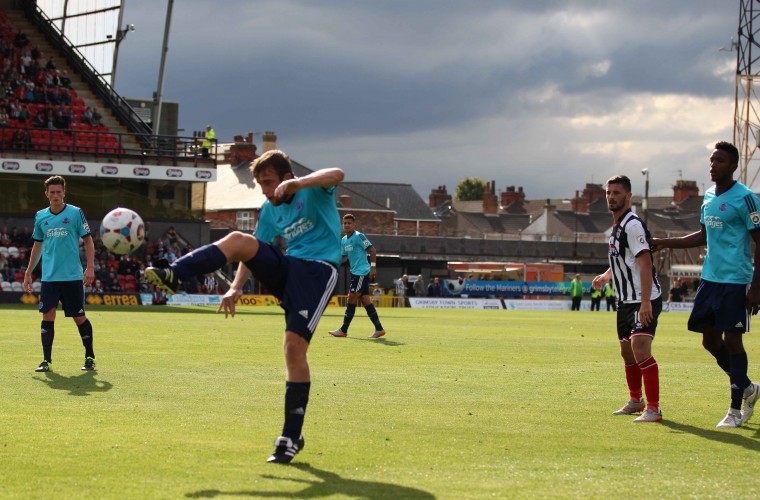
(620, 179)
(349, 217)
(728, 148)
(55, 180)
(274, 159)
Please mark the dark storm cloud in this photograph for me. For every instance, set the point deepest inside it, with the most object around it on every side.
(375, 85)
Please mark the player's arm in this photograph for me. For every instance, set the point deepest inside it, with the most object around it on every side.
(695, 239)
(236, 290)
(753, 295)
(600, 280)
(34, 259)
(89, 252)
(644, 260)
(372, 262)
(325, 178)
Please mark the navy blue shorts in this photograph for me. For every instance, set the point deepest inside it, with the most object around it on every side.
(720, 305)
(628, 324)
(359, 284)
(303, 286)
(69, 293)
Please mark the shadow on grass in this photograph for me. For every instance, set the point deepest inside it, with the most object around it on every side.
(78, 385)
(381, 341)
(327, 484)
(722, 436)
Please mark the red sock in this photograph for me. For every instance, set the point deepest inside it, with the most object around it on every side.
(651, 374)
(633, 377)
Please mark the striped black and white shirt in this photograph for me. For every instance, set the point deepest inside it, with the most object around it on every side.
(629, 238)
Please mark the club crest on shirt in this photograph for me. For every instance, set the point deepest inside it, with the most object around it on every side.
(755, 218)
(723, 207)
(66, 220)
(299, 205)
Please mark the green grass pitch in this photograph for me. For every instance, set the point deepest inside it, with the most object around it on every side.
(450, 404)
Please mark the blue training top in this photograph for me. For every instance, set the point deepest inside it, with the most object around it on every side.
(309, 223)
(728, 220)
(355, 248)
(59, 234)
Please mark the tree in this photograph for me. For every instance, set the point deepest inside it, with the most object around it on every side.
(471, 188)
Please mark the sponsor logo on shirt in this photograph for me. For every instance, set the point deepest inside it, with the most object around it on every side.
(713, 221)
(299, 227)
(56, 232)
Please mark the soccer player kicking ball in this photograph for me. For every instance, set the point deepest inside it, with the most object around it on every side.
(357, 247)
(303, 211)
(729, 292)
(632, 272)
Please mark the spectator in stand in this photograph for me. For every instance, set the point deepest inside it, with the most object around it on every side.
(4, 118)
(431, 288)
(61, 118)
(208, 141)
(50, 64)
(376, 294)
(25, 61)
(210, 284)
(98, 288)
(112, 282)
(159, 297)
(20, 40)
(64, 79)
(22, 140)
(171, 235)
(5, 237)
(24, 238)
(401, 290)
(86, 116)
(96, 117)
(3, 268)
(437, 288)
(419, 287)
(25, 115)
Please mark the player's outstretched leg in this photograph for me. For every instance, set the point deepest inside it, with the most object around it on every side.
(203, 260)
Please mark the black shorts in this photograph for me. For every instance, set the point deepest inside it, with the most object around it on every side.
(359, 284)
(720, 305)
(69, 293)
(303, 286)
(628, 324)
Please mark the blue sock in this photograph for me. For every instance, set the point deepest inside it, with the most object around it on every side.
(372, 313)
(203, 260)
(739, 379)
(348, 316)
(296, 399)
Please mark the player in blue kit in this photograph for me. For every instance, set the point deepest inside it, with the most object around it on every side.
(729, 292)
(57, 230)
(303, 211)
(356, 247)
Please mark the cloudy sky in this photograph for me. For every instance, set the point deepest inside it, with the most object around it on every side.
(548, 95)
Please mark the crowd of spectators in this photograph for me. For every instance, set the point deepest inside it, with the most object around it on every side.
(35, 93)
